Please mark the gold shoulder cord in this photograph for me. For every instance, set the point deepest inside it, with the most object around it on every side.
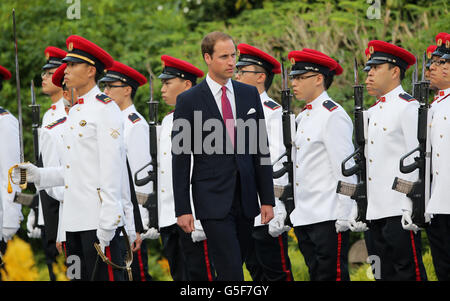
(129, 256)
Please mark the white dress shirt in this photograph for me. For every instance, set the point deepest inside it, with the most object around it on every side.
(216, 90)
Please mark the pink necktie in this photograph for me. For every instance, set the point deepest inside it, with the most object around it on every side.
(227, 114)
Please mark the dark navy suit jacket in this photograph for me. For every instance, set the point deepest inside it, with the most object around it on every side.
(214, 175)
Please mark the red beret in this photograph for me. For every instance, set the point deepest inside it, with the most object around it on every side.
(441, 38)
(430, 50)
(337, 71)
(174, 67)
(58, 76)
(249, 55)
(4, 73)
(84, 51)
(125, 74)
(54, 57)
(304, 61)
(382, 52)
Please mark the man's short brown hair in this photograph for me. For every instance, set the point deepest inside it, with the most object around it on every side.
(210, 40)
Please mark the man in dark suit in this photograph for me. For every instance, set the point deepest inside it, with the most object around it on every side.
(228, 176)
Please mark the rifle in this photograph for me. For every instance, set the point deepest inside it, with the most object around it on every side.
(286, 193)
(357, 191)
(419, 191)
(151, 204)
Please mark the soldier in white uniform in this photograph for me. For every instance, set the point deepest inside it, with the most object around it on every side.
(392, 132)
(10, 212)
(323, 140)
(94, 169)
(121, 83)
(187, 254)
(53, 149)
(268, 260)
(55, 115)
(438, 207)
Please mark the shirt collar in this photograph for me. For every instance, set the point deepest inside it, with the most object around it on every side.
(129, 110)
(91, 94)
(316, 102)
(264, 96)
(215, 87)
(393, 94)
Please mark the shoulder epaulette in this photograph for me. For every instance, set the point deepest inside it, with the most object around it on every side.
(103, 98)
(53, 124)
(134, 117)
(271, 104)
(329, 105)
(3, 111)
(443, 97)
(406, 96)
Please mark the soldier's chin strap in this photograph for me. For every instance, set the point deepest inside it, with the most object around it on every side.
(128, 259)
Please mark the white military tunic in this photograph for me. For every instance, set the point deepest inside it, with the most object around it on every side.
(51, 147)
(55, 112)
(10, 212)
(166, 201)
(323, 140)
(274, 126)
(93, 165)
(136, 137)
(53, 119)
(440, 143)
(392, 132)
(439, 97)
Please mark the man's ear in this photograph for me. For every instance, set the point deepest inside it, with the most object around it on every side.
(187, 85)
(128, 90)
(261, 78)
(320, 79)
(92, 71)
(207, 58)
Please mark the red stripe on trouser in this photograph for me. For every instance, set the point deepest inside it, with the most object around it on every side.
(283, 259)
(338, 266)
(64, 247)
(208, 266)
(416, 263)
(141, 266)
(110, 271)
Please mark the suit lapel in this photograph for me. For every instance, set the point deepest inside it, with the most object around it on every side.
(239, 102)
(210, 101)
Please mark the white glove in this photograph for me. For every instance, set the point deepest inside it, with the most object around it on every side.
(358, 226)
(104, 237)
(33, 173)
(151, 233)
(8, 233)
(277, 226)
(407, 222)
(103, 245)
(342, 225)
(198, 235)
(33, 232)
